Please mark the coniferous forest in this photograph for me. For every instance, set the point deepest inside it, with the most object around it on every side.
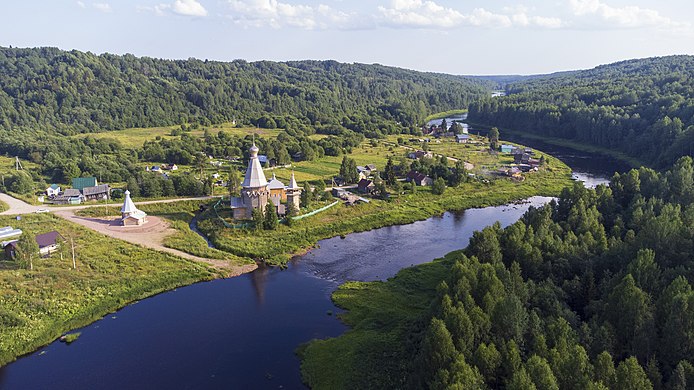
(643, 108)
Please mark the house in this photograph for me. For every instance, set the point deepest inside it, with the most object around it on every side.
(419, 179)
(100, 192)
(155, 168)
(80, 183)
(420, 154)
(521, 158)
(505, 148)
(371, 168)
(170, 167)
(365, 186)
(462, 138)
(69, 196)
(48, 243)
(53, 190)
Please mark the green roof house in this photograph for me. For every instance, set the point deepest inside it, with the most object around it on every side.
(81, 182)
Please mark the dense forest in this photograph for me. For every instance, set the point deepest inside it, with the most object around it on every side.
(643, 107)
(47, 88)
(592, 291)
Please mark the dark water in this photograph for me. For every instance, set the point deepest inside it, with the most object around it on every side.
(242, 332)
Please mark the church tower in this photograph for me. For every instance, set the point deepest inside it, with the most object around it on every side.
(254, 191)
(294, 193)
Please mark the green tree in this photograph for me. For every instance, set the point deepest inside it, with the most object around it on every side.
(271, 220)
(306, 195)
(494, 138)
(27, 249)
(133, 187)
(258, 219)
(21, 183)
(630, 375)
(290, 213)
(234, 182)
(439, 186)
(604, 369)
(541, 373)
(389, 173)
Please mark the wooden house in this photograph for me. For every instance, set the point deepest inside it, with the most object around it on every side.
(365, 186)
(48, 243)
(419, 179)
(100, 192)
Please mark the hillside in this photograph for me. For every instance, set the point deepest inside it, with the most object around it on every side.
(73, 91)
(643, 107)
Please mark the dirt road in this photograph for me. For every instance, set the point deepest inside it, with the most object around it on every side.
(151, 235)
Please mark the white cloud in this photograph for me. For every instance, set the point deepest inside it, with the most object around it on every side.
(428, 14)
(624, 17)
(103, 7)
(189, 8)
(180, 7)
(81, 4)
(276, 14)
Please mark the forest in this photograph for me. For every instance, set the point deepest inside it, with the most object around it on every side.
(592, 291)
(47, 94)
(73, 91)
(642, 107)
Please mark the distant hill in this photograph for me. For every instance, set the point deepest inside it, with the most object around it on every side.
(643, 107)
(74, 91)
(501, 81)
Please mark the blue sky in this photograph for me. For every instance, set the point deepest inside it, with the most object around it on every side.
(459, 37)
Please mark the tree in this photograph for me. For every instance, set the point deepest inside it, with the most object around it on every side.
(133, 187)
(306, 195)
(319, 190)
(348, 170)
(234, 182)
(258, 219)
(494, 138)
(439, 186)
(437, 351)
(541, 373)
(27, 248)
(291, 212)
(604, 369)
(389, 173)
(630, 375)
(271, 220)
(21, 183)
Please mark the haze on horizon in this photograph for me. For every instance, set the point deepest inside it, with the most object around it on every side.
(473, 37)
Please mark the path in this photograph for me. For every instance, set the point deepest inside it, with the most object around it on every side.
(151, 235)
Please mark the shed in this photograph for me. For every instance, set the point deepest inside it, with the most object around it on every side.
(48, 242)
(506, 148)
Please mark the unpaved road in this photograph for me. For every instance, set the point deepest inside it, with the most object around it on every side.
(151, 235)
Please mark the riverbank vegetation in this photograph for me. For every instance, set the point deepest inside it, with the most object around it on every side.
(591, 291)
(642, 108)
(37, 306)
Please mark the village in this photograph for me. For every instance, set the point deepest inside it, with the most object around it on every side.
(259, 202)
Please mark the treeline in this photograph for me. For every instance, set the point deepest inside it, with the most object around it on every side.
(644, 107)
(592, 291)
(73, 91)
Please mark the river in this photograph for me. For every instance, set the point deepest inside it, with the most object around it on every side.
(242, 332)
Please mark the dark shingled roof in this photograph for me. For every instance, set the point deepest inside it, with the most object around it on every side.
(100, 189)
(47, 239)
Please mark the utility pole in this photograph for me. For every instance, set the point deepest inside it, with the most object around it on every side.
(72, 244)
(17, 164)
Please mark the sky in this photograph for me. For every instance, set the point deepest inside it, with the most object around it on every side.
(479, 37)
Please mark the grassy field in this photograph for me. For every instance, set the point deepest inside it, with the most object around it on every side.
(380, 315)
(38, 306)
(136, 137)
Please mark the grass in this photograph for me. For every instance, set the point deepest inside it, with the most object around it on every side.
(38, 306)
(71, 337)
(179, 214)
(136, 137)
(381, 315)
(445, 114)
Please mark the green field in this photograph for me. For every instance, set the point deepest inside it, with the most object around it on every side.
(136, 137)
